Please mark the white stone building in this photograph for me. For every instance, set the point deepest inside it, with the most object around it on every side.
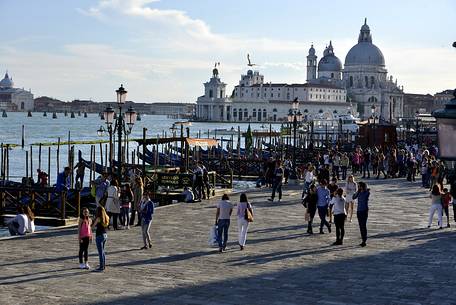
(330, 89)
(14, 99)
(364, 76)
(252, 100)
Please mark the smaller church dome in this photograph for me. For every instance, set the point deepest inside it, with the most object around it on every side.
(6, 82)
(329, 61)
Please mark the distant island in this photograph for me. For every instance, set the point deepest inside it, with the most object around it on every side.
(48, 104)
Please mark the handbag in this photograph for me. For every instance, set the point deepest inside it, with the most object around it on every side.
(248, 215)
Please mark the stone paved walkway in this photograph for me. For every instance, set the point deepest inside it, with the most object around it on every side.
(404, 262)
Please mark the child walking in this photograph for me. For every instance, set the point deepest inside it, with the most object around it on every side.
(85, 237)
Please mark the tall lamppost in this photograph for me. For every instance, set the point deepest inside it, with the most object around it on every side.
(373, 124)
(294, 116)
(123, 125)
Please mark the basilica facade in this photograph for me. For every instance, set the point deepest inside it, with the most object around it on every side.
(14, 99)
(360, 87)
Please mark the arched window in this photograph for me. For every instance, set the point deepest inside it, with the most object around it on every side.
(211, 93)
(264, 113)
(254, 113)
(372, 99)
(366, 81)
(351, 81)
(22, 105)
(234, 112)
(274, 110)
(246, 113)
(372, 81)
(332, 75)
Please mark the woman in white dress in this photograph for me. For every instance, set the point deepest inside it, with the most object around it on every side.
(350, 189)
(113, 203)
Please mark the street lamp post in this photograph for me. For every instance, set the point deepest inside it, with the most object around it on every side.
(294, 116)
(123, 125)
(373, 124)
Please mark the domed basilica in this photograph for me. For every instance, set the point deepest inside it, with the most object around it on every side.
(364, 76)
(331, 91)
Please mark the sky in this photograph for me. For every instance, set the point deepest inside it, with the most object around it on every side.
(165, 50)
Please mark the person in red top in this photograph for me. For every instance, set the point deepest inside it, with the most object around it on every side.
(446, 200)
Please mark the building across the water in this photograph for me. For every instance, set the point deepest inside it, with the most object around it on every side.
(331, 90)
(14, 99)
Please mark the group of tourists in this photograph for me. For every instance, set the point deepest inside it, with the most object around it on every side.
(115, 203)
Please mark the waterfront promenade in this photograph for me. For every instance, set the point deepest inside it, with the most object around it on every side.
(404, 262)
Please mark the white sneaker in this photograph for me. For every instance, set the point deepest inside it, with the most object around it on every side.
(87, 266)
(279, 200)
(81, 266)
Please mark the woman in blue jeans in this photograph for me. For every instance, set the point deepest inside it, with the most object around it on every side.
(222, 220)
(362, 212)
(100, 224)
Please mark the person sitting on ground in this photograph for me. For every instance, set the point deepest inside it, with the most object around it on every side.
(188, 195)
(18, 225)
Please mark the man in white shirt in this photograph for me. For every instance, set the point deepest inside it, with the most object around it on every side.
(19, 224)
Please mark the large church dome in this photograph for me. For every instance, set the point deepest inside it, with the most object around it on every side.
(365, 52)
(329, 61)
(6, 82)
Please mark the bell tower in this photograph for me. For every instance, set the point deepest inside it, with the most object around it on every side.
(311, 64)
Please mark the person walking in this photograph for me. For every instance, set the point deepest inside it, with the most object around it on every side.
(366, 163)
(309, 179)
(198, 181)
(310, 203)
(350, 189)
(101, 186)
(277, 181)
(126, 197)
(362, 211)
(381, 165)
(113, 203)
(100, 224)
(147, 211)
(436, 205)
(243, 224)
(340, 214)
(344, 163)
(323, 196)
(138, 190)
(222, 220)
(332, 187)
(84, 238)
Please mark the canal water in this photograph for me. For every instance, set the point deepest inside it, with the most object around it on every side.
(40, 129)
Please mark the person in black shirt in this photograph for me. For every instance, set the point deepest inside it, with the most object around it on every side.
(277, 181)
(310, 202)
